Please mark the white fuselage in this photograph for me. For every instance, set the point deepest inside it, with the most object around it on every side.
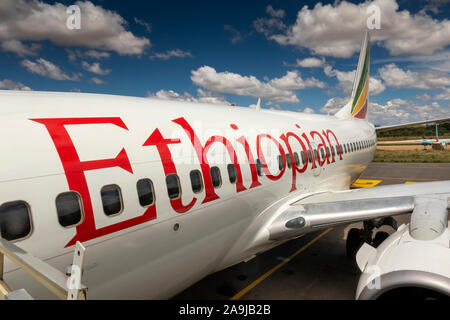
(146, 258)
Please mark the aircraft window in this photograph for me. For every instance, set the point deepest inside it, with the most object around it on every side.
(196, 181)
(302, 153)
(232, 173)
(345, 148)
(216, 177)
(296, 159)
(112, 200)
(145, 192)
(316, 155)
(259, 167)
(309, 156)
(333, 151)
(289, 161)
(322, 153)
(280, 163)
(68, 208)
(328, 152)
(15, 220)
(173, 186)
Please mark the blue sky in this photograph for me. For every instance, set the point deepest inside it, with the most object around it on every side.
(234, 52)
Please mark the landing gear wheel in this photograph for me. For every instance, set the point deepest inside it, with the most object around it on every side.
(379, 238)
(354, 242)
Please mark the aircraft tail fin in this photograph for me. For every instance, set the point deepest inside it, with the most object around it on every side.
(358, 105)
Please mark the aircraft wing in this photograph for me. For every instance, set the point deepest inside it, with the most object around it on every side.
(329, 209)
(425, 141)
(411, 124)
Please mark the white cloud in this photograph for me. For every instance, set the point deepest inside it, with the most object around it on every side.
(311, 62)
(48, 69)
(424, 97)
(278, 89)
(176, 53)
(12, 85)
(336, 30)
(399, 78)
(308, 111)
(403, 111)
(146, 25)
(236, 34)
(395, 111)
(103, 29)
(96, 80)
(202, 96)
(333, 105)
(95, 68)
(444, 95)
(19, 48)
(92, 54)
(271, 24)
(346, 79)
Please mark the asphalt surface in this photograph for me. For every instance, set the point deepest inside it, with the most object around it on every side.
(320, 270)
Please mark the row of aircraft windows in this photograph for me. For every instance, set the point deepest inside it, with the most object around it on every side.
(15, 217)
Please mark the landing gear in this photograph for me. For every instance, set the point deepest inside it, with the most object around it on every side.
(357, 237)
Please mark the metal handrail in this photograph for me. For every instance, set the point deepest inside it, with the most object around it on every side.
(53, 279)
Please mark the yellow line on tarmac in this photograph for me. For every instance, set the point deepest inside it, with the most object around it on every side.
(239, 295)
(396, 178)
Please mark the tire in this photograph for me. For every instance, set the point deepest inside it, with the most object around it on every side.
(379, 238)
(354, 242)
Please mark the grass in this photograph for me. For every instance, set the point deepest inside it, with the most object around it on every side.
(423, 156)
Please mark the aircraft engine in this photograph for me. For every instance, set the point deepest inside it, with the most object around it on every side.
(412, 263)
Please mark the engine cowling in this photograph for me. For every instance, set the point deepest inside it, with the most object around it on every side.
(407, 265)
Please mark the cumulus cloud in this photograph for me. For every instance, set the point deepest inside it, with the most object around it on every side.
(424, 97)
(394, 111)
(202, 96)
(278, 89)
(176, 53)
(308, 111)
(444, 95)
(91, 54)
(12, 85)
(46, 68)
(403, 111)
(311, 62)
(236, 34)
(95, 68)
(96, 80)
(335, 29)
(103, 29)
(19, 48)
(146, 25)
(346, 79)
(396, 77)
(272, 23)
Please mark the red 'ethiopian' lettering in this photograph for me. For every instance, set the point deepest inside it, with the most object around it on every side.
(75, 169)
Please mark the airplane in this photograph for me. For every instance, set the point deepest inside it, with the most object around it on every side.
(436, 144)
(161, 194)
